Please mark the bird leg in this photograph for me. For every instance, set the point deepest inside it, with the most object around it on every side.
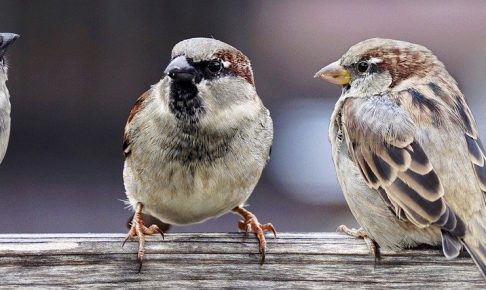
(139, 229)
(250, 224)
(361, 234)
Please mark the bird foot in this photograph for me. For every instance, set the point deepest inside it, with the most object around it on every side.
(250, 224)
(139, 229)
(361, 234)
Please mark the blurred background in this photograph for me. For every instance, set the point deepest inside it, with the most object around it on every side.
(80, 65)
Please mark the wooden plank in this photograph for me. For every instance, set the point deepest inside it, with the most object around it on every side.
(294, 260)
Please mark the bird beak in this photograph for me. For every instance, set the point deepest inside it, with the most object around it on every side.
(334, 73)
(180, 70)
(6, 39)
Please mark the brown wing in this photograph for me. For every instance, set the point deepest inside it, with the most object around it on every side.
(135, 109)
(463, 116)
(381, 137)
(475, 243)
(478, 158)
(477, 154)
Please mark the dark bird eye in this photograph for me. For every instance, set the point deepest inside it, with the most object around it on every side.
(215, 66)
(362, 66)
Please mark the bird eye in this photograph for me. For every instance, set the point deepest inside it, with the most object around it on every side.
(362, 66)
(215, 66)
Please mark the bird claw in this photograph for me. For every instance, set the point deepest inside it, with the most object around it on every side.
(139, 229)
(251, 224)
(361, 234)
(140, 263)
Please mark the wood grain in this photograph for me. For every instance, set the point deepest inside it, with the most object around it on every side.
(294, 260)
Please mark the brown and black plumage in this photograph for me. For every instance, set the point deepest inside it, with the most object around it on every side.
(196, 143)
(407, 150)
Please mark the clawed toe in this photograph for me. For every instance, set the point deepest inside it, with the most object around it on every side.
(357, 233)
(140, 230)
(269, 228)
(361, 234)
(251, 224)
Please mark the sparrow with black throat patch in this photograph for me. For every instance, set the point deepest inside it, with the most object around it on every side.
(406, 150)
(6, 40)
(196, 142)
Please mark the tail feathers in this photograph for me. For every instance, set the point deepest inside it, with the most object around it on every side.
(475, 241)
(451, 245)
(452, 227)
(478, 254)
(476, 246)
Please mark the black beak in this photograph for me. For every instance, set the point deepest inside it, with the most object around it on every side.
(180, 70)
(181, 74)
(6, 40)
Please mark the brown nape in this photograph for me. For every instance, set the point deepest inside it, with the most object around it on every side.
(402, 63)
(240, 65)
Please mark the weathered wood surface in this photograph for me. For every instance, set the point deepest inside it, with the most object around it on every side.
(294, 260)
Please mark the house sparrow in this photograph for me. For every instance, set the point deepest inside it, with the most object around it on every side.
(196, 142)
(407, 151)
(6, 39)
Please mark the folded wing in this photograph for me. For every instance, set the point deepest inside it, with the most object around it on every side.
(382, 140)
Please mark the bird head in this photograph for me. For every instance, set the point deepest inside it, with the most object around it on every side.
(377, 65)
(207, 74)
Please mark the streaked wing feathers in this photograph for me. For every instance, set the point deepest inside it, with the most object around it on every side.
(478, 158)
(412, 188)
(399, 168)
(476, 151)
(133, 112)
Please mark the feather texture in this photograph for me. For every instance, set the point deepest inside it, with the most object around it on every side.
(133, 112)
(478, 158)
(393, 162)
(412, 136)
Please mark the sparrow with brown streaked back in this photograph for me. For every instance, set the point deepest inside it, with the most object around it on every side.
(196, 143)
(407, 151)
(6, 40)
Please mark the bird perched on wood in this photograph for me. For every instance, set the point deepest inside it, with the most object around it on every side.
(407, 151)
(196, 142)
(6, 39)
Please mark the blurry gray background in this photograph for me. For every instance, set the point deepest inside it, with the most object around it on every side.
(80, 65)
